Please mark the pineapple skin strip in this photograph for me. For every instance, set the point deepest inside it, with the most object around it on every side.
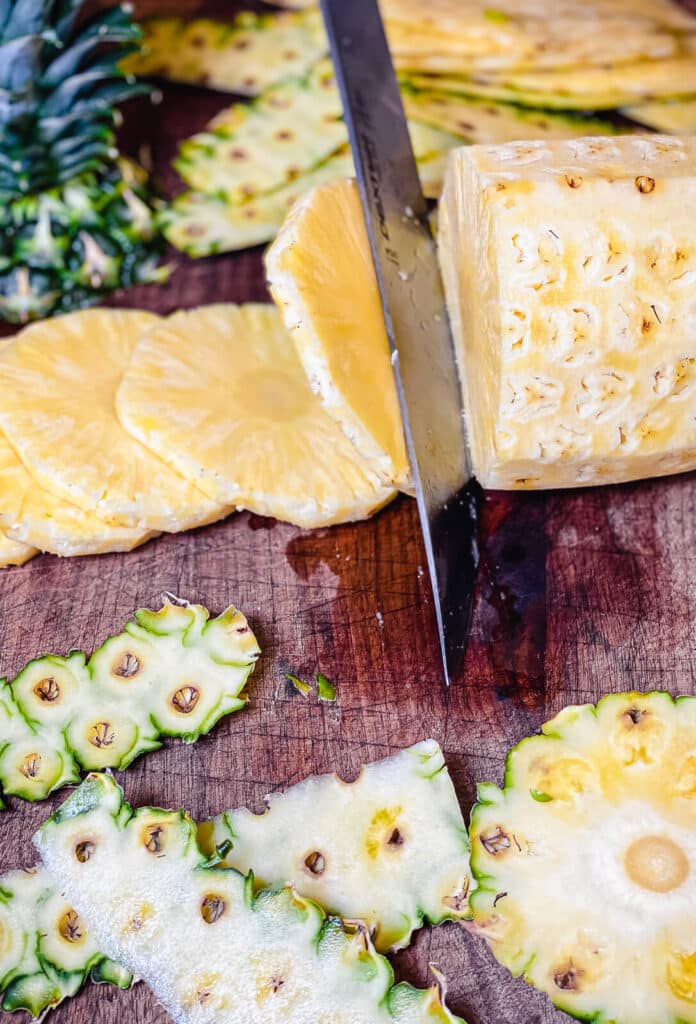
(357, 874)
(174, 672)
(291, 959)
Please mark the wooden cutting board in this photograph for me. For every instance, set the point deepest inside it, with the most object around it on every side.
(579, 594)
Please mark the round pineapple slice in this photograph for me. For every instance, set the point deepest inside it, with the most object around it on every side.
(586, 860)
(58, 381)
(338, 330)
(220, 395)
(33, 518)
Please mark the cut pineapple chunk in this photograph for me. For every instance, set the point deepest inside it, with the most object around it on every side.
(339, 331)
(569, 269)
(586, 860)
(58, 381)
(31, 515)
(220, 394)
(174, 672)
(390, 848)
(208, 947)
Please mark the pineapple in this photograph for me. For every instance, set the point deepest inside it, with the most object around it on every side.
(58, 382)
(587, 88)
(32, 519)
(45, 951)
(220, 395)
(245, 56)
(198, 935)
(586, 860)
(339, 331)
(174, 672)
(390, 849)
(490, 123)
(672, 118)
(74, 223)
(14, 552)
(569, 269)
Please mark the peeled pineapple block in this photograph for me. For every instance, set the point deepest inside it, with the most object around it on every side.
(211, 949)
(586, 860)
(390, 848)
(570, 268)
(174, 672)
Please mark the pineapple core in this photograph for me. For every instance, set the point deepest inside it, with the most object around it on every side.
(570, 269)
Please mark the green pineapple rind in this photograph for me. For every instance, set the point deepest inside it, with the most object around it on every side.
(171, 673)
(67, 247)
(268, 919)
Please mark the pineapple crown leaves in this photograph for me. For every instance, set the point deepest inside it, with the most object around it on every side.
(59, 84)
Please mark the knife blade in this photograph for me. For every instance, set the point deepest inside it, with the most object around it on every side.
(415, 314)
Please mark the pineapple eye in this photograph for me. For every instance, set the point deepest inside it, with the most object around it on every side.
(31, 766)
(84, 850)
(495, 841)
(315, 863)
(396, 838)
(47, 690)
(101, 735)
(458, 900)
(212, 908)
(568, 977)
(185, 699)
(70, 928)
(154, 838)
(127, 665)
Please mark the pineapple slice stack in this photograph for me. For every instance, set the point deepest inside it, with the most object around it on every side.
(74, 220)
(361, 870)
(174, 672)
(119, 868)
(117, 425)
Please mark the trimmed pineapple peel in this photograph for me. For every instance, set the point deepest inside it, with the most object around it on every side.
(118, 868)
(597, 821)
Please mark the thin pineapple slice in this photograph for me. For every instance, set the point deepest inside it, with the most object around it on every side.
(569, 270)
(46, 953)
(150, 898)
(58, 381)
(586, 860)
(234, 412)
(601, 88)
(339, 332)
(31, 515)
(250, 149)
(672, 118)
(174, 672)
(489, 123)
(244, 56)
(390, 848)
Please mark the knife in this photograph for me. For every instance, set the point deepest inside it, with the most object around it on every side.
(415, 314)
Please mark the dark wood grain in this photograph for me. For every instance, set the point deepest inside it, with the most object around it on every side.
(580, 593)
